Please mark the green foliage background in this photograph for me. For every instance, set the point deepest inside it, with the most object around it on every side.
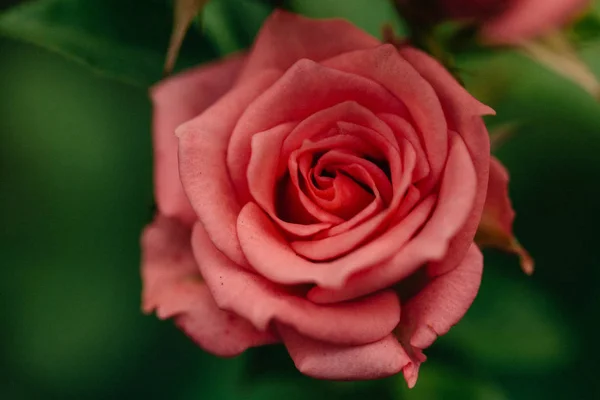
(76, 189)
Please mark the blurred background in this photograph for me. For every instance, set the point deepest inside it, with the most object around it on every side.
(76, 189)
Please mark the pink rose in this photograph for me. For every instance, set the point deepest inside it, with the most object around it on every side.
(324, 192)
(512, 21)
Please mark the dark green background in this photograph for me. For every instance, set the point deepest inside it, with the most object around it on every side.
(76, 189)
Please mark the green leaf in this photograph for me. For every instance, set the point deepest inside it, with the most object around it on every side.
(367, 14)
(232, 24)
(512, 326)
(127, 40)
(437, 381)
(586, 28)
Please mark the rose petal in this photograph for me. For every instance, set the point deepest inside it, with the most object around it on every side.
(438, 307)
(443, 302)
(463, 113)
(360, 171)
(347, 137)
(261, 302)
(351, 120)
(411, 370)
(202, 157)
(458, 189)
(166, 258)
(405, 131)
(350, 197)
(496, 226)
(399, 167)
(379, 359)
(301, 160)
(258, 237)
(385, 66)
(344, 242)
(286, 38)
(313, 88)
(216, 331)
(262, 178)
(176, 100)
(345, 118)
(526, 19)
(295, 187)
(174, 288)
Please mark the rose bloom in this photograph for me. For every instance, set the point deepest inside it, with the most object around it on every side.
(322, 191)
(513, 21)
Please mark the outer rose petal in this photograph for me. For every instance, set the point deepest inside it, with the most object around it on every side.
(173, 286)
(463, 113)
(525, 19)
(363, 321)
(166, 258)
(203, 145)
(177, 100)
(495, 228)
(219, 332)
(439, 306)
(286, 38)
(321, 360)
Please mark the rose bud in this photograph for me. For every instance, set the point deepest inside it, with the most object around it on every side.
(322, 191)
(513, 21)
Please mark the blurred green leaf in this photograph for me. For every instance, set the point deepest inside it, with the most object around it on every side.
(586, 28)
(367, 14)
(512, 325)
(437, 381)
(553, 163)
(487, 76)
(127, 40)
(232, 24)
(55, 337)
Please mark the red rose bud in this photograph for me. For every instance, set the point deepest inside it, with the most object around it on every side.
(514, 21)
(308, 181)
